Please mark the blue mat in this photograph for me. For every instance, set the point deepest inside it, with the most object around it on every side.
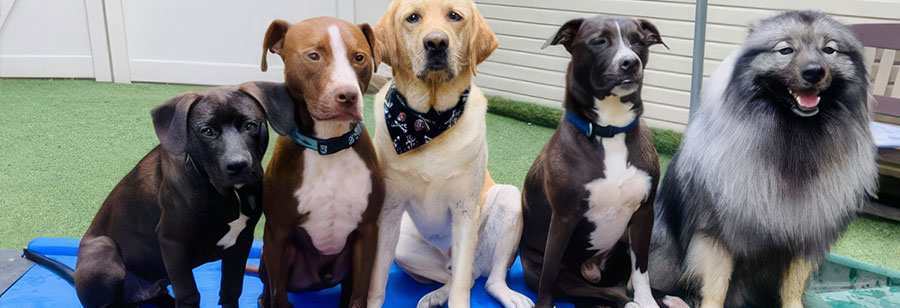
(41, 288)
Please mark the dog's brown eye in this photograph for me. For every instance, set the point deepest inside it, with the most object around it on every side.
(414, 18)
(598, 41)
(828, 50)
(251, 126)
(207, 131)
(454, 16)
(635, 40)
(313, 56)
(359, 57)
(786, 51)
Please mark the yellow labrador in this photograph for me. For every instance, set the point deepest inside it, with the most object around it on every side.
(444, 217)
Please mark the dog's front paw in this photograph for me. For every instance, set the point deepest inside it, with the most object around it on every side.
(793, 304)
(633, 305)
(590, 271)
(674, 302)
(509, 298)
(517, 300)
(645, 302)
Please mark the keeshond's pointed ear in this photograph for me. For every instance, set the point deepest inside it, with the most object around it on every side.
(565, 35)
(651, 34)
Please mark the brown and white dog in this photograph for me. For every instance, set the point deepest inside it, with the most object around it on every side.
(430, 138)
(323, 189)
(588, 198)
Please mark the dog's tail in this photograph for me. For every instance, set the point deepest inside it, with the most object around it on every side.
(54, 266)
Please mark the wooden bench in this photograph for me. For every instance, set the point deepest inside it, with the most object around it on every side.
(882, 42)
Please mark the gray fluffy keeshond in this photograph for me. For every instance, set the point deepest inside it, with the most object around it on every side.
(776, 162)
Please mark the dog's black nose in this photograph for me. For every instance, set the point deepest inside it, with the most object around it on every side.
(235, 167)
(436, 41)
(347, 98)
(627, 64)
(813, 73)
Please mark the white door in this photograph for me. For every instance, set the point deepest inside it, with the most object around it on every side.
(210, 41)
(51, 38)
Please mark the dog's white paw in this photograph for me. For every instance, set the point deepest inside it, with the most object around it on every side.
(646, 301)
(514, 299)
(632, 305)
(793, 304)
(591, 272)
(674, 302)
(436, 298)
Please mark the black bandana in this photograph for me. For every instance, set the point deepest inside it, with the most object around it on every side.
(410, 129)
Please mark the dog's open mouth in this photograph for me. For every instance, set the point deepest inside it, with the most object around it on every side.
(806, 104)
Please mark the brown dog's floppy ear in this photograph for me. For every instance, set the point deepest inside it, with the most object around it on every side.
(276, 101)
(370, 37)
(170, 121)
(385, 42)
(483, 41)
(274, 41)
(651, 35)
(565, 35)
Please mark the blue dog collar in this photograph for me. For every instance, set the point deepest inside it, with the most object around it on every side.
(592, 130)
(331, 145)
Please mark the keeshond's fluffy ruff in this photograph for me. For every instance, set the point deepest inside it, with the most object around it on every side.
(761, 172)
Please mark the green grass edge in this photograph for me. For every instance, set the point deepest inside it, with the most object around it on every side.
(666, 141)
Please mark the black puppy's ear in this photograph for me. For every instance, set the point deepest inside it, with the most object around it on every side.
(370, 37)
(651, 35)
(274, 41)
(170, 121)
(276, 101)
(566, 34)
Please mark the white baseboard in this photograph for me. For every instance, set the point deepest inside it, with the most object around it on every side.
(201, 73)
(46, 66)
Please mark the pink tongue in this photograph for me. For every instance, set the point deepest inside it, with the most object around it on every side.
(808, 101)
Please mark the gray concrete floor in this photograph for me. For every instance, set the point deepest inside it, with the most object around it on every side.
(12, 266)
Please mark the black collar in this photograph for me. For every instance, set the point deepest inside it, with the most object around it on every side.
(330, 145)
(592, 130)
(410, 129)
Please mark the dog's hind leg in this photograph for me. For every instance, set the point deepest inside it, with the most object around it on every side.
(709, 262)
(99, 273)
(435, 298)
(504, 206)
(418, 258)
(795, 282)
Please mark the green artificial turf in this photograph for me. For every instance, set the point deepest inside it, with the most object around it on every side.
(66, 143)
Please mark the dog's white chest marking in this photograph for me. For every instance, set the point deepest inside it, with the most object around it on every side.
(335, 193)
(615, 197)
(234, 229)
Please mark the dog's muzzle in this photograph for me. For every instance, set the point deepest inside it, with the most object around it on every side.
(436, 46)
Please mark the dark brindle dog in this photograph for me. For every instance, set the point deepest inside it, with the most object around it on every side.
(193, 199)
(588, 198)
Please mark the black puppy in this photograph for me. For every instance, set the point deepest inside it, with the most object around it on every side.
(588, 198)
(193, 199)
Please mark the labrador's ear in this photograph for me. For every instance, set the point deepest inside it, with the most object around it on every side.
(370, 37)
(170, 121)
(483, 41)
(385, 34)
(651, 35)
(274, 40)
(276, 101)
(565, 35)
